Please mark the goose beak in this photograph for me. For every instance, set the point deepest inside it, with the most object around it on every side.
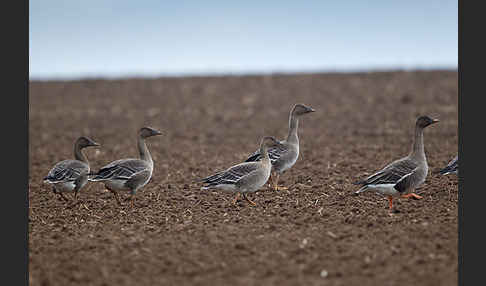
(435, 121)
(311, 109)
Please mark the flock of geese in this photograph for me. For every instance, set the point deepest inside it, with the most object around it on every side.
(398, 179)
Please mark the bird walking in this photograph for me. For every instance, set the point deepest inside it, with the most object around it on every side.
(129, 174)
(403, 176)
(284, 154)
(71, 175)
(246, 177)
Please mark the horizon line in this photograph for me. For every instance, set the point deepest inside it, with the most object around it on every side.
(223, 73)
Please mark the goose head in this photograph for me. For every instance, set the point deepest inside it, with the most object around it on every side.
(146, 132)
(83, 142)
(301, 109)
(424, 121)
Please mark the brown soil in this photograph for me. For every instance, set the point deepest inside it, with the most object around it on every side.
(316, 233)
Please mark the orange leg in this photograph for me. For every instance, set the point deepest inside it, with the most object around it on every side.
(413, 195)
(390, 202)
(275, 184)
(251, 202)
(235, 199)
(132, 200)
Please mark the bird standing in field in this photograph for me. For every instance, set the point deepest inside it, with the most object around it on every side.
(403, 176)
(245, 177)
(71, 175)
(284, 154)
(451, 168)
(129, 174)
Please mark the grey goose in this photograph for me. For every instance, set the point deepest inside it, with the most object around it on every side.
(71, 175)
(401, 177)
(284, 155)
(129, 174)
(243, 178)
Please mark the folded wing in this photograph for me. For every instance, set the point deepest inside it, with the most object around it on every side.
(232, 175)
(120, 170)
(391, 174)
(66, 171)
(274, 152)
(451, 167)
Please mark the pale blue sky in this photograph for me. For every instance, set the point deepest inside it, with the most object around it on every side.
(113, 38)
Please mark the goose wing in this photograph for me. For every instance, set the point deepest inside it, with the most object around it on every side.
(274, 152)
(66, 171)
(453, 166)
(406, 181)
(391, 174)
(123, 169)
(232, 175)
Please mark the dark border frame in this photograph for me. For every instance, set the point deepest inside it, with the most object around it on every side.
(460, 26)
(15, 187)
(470, 109)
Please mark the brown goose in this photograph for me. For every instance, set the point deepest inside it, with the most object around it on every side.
(284, 155)
(129, 174)
(245, 177)
(71, 175)
(402, 176)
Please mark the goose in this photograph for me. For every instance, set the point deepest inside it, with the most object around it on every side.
(451, 168)
(246, 177)
(401, 177)
(284, 154)
(128, 174)
(71, 175)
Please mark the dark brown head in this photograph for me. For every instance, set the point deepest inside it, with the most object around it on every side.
(269, 141)
(83, 142)
(301, 109)
(424, 121)
(148, 132)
